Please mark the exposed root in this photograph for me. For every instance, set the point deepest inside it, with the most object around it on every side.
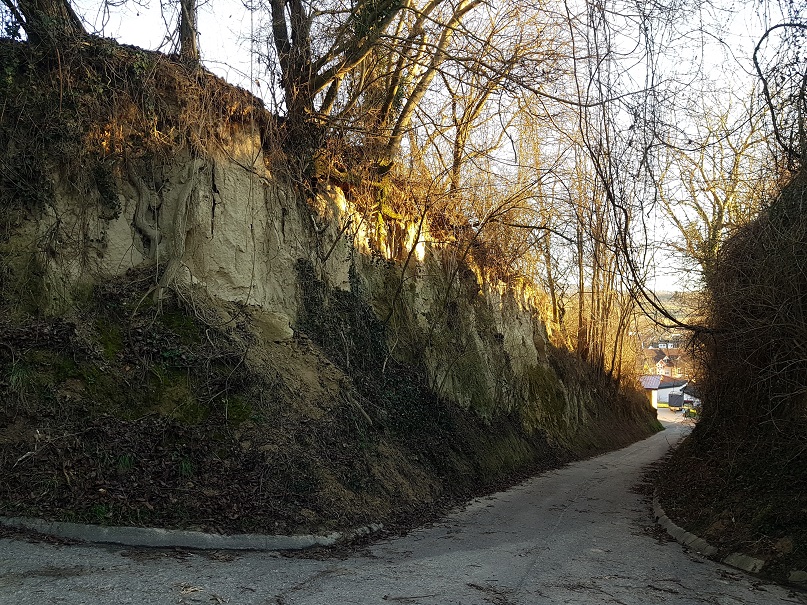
(167, 237)
(146, 199)
(179, 226)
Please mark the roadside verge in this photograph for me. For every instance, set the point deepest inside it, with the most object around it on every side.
(734, 559)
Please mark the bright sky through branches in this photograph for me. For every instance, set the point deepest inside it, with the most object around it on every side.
(722, 48)
(224, 31)
(711, 54)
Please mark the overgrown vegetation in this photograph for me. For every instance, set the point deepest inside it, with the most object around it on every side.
(757, 311)
(99, 102)
(117, 412)
(740, 478)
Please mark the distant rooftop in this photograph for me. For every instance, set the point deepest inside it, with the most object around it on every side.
(667, 382)
(654, 381)
(650, 382)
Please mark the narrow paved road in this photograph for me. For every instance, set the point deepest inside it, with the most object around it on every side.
(578, 535)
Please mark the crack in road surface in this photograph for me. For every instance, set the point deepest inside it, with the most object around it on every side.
(580, 535)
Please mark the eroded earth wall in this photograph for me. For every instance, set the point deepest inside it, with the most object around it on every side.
(225, 224)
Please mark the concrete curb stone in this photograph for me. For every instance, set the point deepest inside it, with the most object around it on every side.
(738, 560)
(174, 538)
(680, 534)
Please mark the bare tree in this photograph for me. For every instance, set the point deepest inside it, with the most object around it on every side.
(345, 35)
(779, 62)
(719, 181)
(188, 32)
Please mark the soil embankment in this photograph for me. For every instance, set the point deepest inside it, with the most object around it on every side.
(739, 480)
(193, 338)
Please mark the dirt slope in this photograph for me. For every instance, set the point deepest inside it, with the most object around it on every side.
(142, 400)
(181, 416)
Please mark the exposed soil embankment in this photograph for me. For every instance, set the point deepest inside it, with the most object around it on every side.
(189, 338)
(741, 494)
(740, 479)
(183, 416)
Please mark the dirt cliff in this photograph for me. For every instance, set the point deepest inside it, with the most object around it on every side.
(194, 336)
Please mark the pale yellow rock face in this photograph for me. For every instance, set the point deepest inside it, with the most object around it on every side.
(271, 326)
(226, 225)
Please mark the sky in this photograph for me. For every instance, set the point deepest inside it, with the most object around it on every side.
(224, 31)
(225, 27)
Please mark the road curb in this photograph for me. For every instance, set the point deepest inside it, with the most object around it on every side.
(176, 538)
(680, 534)
(737, 560)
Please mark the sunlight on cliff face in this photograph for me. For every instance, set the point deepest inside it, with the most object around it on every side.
(418, 240)
(392, 238)
(341, 201)
(420, 251)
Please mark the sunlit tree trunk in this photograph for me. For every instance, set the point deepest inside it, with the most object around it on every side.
(550, 278)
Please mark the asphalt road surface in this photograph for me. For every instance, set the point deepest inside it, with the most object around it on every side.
(579, 535)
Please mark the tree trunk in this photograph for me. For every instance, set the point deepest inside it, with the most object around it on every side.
(48, 21)
(550, 281)
(188, 46)
(439, 55)
(582, 346)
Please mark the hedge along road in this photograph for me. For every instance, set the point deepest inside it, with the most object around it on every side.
(578, 535)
